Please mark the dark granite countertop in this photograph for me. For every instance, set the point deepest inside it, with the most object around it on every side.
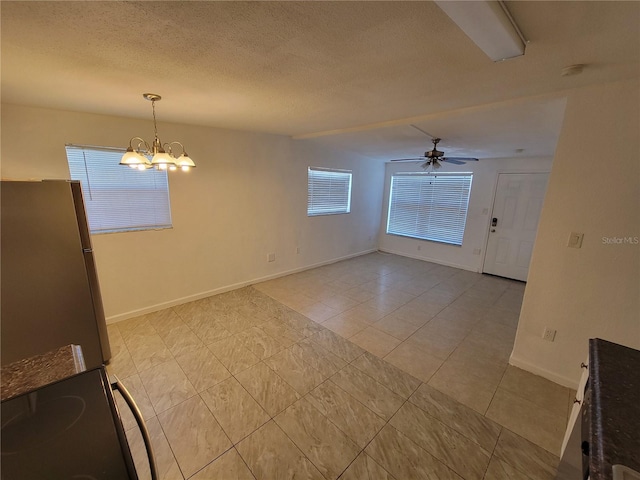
(614, 381)
(34, 372)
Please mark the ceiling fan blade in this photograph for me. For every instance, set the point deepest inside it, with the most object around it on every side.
(459, 160)
(416, 159)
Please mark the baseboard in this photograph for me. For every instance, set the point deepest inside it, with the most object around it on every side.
(554, 377)
(432, 260)
(227, 288)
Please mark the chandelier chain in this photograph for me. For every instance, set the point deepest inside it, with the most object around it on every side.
(155, 125)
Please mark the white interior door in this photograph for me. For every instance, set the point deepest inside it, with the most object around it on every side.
(516, 211)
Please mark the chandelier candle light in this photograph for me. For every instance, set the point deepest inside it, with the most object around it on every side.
(162, 157)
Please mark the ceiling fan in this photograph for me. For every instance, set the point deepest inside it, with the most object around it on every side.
(432, 158)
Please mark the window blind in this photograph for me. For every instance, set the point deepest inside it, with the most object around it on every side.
(329, 191)
(118, 198)
(429, 207)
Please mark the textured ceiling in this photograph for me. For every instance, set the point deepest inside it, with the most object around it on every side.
(506, 130)
(331, 70)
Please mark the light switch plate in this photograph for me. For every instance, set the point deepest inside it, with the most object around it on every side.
(575, 240)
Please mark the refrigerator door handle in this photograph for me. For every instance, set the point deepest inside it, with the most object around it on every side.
(117, 385)
(81, 215)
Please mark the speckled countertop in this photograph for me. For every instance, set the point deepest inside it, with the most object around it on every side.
(614, 380)
(34, 372)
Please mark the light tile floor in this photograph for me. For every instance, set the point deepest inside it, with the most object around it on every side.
(377, 367)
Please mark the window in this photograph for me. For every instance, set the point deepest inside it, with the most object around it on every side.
(329, 191)
(117, 198)
(429, 207)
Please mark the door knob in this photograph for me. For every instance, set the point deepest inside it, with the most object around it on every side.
(494, 222)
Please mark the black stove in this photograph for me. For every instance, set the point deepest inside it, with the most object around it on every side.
(67, 430)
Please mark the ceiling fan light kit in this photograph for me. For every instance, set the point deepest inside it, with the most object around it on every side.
(431, 166)
(489, 25)
(435, 154)
(162, 155)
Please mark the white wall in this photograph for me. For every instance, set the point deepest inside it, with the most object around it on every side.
(485, 176)
(594, 188)
(245, 199)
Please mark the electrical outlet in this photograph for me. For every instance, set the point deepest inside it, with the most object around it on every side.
(575, 240)
(271, 257)
(549, 334)
(419, 247)
(298, 250)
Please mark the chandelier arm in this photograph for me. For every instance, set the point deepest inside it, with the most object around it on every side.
(168, 145)
(142, 140)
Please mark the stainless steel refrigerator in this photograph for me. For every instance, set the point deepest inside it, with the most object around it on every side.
(49, 296)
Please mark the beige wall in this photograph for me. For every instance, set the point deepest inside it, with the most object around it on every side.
(594, 188)
(245, 199)
(485, 175)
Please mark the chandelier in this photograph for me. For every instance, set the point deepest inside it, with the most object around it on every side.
(157, 155)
